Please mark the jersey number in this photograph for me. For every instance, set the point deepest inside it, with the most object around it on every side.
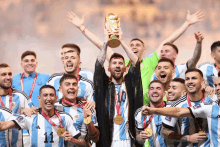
(51, 134)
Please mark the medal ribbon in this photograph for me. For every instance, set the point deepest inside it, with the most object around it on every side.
(217, 68)
(33, 84)
(118, 99)
(190, 105)
(74, 104)
(151, 117)
(10, 99)
(50, 121)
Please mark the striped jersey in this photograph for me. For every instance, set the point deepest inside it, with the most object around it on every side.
(9, 138)
(212, 113)
(156, 140)
(120, 132)
(86, 87)
(42, 133)
(210, 73)
(187, 124)
(77, 115)
(87, 73)
(179, 72)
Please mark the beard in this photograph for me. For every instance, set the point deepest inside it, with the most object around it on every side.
(5, 87)
(117, 77)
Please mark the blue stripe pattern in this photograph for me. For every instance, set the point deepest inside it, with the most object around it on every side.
(2, 133)
(34, 136)
(48, 130)
(214, 124)
(177, 72)
(209, 73)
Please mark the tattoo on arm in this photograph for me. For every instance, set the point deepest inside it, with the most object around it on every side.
(80, 142)
(138, 138)
(102, 54)
(196, 56)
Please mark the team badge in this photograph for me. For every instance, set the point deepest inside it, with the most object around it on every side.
(197, 106)
(76, 117)
(168, 118)
(20, 119)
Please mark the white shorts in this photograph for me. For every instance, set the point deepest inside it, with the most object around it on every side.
(121, 143)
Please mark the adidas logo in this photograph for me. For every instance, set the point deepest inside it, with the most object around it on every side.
(37, 127)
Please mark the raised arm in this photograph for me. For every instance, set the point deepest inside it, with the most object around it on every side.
(190, 19)
(197, 52)
(79, 23)
(102, 55)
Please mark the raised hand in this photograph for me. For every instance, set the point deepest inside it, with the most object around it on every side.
(199, 37)
(145, 111)
(196, 17)
(75, 20)
(86, 112)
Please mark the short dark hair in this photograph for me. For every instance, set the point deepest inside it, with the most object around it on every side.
(47, 86)
(137, 40)
(194, 70)
(3, 65)
(180, 80)
(71, 45)
(28, 53)
(172, 45)
(215, 45)
(166, 60)
(218, 74)
(71, 51)
(156, 81)
(116, 55)
(67, 76)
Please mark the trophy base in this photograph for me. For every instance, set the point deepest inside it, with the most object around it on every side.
(113, 43)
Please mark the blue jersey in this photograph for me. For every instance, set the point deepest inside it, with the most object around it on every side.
(87, 73)
(179, 72)
(86, 88)
(212, 113)
(10, 137)
(210, 73)
(188, 124)
(42, 133)
(41, 80)
(156, 140)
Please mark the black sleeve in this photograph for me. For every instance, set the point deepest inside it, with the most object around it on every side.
(19, 128)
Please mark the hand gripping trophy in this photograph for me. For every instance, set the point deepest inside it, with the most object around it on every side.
(112, 24)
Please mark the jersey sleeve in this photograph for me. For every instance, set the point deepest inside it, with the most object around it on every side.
(90, 93)
(201, 110)
(138, 120)
(70, 127)
(22, 121)
(169, 121)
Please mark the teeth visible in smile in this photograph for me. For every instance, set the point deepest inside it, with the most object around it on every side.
(155, 95)
(69, 65)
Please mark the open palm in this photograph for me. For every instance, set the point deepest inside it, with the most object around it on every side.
(196, 17)
(75, 20)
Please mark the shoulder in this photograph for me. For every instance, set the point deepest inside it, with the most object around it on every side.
(4, 109)
(20, 93)
(138, 111)
(179, 102)
(55, 75)
(87, 70)
(43, 75)
(86, 80)
(205, 64)
(17, 76)
(66, 115)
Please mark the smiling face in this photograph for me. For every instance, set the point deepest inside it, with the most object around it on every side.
(71, 62)
(117, 68)
(164, 72)
(29, 64)
(69, 88)
(217, 88)
(47, 99)
(5, 77)
(216, 54)
(156, 93)
(168, 52)
(137, 47)
(193, 82)
(176, 90)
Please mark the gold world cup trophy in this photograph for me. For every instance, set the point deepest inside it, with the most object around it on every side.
(112, 23)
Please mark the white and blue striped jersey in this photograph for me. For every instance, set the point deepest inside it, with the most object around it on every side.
(156, 140)
(86, 87)
(9, 138)
(120, 132)
(212, 113)
(77, 115)
(177, 128)
(187, 124)
(179, 72)
(210, 73)
(87, 73)
(42, 133)
(20, 100)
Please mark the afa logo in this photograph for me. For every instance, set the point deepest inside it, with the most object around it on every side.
(76, 126)
(168, 118)
(20, 119)
(197, 106)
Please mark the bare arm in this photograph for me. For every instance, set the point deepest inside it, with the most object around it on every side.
(190, 19)
(7, 125)
(79, 23)
(197, 52)
(141, 136)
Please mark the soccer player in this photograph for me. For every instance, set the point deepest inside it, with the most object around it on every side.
(87, 73)
(204, 110)
(149, 127)
(149, 63)
(189, 126)
(71, 64)
(13, 99)
(117, 98)
(170, 51)
(211, 70)
(77, 108)
(45, 127)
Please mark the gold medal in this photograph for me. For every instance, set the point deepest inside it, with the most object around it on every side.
(201, 132)
(118, 119)
(149, 131)
(61, 131)
(87, 120)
